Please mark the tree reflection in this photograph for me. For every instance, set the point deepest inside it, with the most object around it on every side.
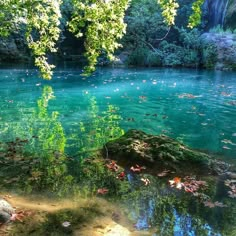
(49, 130)
(49, 147)
(41, 156)
(99, 128)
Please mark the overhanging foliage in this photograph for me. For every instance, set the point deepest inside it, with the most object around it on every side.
(100, 22)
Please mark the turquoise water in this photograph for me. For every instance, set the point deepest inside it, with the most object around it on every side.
(76, 116)
(196, 107)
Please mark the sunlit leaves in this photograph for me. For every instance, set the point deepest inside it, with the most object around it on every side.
(104, 27)
(43, 20)
(11, 16)
(195, 18)
(169, 10)
(100, 22)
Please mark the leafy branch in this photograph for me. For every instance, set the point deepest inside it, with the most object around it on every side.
(104, 27)
(43, 20)
(100, 22)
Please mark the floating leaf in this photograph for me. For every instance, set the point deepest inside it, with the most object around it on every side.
(130, 119)
(226, 94)
(186, 95)
(232, 103)
(227, 141)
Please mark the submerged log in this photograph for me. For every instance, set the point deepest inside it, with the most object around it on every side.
(161, 152)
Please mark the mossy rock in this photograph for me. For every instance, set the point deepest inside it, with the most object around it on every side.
(159, 152)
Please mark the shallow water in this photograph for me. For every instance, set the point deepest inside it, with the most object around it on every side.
(76, 116)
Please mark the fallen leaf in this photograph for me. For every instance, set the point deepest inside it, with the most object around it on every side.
(231, 183)
(209, 204)
(137, 168)
(163, 173)
(121, 176)
(113, 166)
(176, 182)
(102, 191)
(219, 204)
(213, 204)
(146, 181)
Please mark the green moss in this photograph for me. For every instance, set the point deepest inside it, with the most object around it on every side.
(161, 151)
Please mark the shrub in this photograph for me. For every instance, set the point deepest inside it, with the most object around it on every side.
(209, 55)
(138, 57)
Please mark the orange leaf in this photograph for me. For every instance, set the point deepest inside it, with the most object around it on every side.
(177, 180)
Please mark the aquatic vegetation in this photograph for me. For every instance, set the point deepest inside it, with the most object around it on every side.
(195, 191)
(103, 127)
(55, 151)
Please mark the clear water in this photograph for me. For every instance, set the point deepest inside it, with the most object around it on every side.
(196, 107)
(76, 116)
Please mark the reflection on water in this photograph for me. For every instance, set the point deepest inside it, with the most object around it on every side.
(47, 128)
(38, 149)
(165, 211)
(98, 128)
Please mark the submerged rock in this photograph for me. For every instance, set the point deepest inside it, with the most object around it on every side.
(160, 152)
(6, 211)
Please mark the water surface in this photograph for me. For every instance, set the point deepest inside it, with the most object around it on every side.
(74, 116)
(196, 107)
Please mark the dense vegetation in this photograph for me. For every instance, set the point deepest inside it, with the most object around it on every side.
(91, 155)
(100, 23)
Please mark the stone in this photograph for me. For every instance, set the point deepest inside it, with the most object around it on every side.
(14, 49)
(6, 211)
(159, 152)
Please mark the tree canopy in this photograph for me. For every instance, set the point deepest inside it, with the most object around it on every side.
(100, 22)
